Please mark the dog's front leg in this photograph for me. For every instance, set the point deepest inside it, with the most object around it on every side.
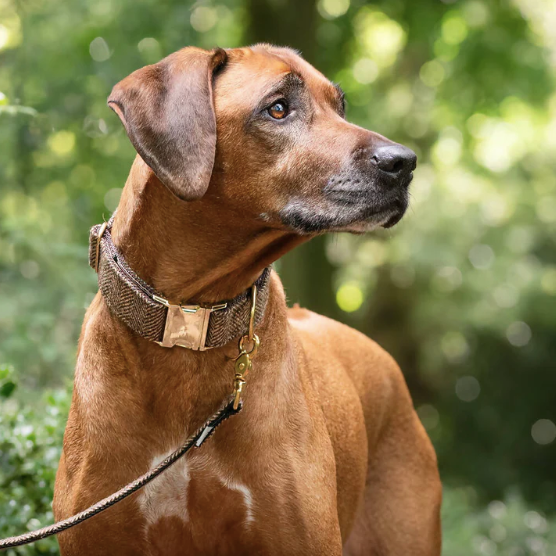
(400, 513)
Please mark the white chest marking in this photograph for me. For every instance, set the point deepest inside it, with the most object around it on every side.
(245, 492)
(166, 496)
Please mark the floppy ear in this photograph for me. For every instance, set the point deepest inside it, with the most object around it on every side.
(168, 112)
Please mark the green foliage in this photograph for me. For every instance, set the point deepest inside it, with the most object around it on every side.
(30, 447)
(7, 385)
(64, 157)
(462, 292)
(509, 528)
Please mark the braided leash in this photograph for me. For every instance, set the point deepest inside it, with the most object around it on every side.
(243, 365)
(196, 440)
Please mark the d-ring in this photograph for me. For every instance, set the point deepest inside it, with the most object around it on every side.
(256, 343)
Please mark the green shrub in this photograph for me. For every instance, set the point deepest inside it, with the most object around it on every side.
(30, 445)
(505, 528)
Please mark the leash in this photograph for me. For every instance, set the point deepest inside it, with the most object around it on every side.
(248, 346)
(196, 440)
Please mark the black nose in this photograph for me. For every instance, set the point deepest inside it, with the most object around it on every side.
(395, 160)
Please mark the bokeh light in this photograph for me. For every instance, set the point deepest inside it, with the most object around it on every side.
(99, 50)
(468, 388)
(349, 297)
(331, 9)
(519, 334)
(543, 431)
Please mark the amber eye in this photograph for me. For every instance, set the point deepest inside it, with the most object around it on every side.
(279, 110)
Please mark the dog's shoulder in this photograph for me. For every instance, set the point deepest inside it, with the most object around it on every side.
(336, 335)
(340, 359)
(341, 342)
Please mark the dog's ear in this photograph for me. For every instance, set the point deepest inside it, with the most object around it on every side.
(168, 112)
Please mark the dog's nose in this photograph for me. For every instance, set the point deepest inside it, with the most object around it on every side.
(395, 160)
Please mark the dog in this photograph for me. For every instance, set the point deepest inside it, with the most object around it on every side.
(242, 154)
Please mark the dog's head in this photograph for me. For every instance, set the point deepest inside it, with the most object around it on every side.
(262, 131)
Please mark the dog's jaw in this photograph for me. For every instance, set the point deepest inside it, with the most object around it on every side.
(308, 218)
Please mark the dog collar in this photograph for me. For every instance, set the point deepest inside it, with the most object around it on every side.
(150, 315)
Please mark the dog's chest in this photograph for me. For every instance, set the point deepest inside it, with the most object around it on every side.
(194, 505)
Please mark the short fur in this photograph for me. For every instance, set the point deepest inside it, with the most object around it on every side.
(328, 456)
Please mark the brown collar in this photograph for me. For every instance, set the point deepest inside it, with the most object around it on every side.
(150, 315)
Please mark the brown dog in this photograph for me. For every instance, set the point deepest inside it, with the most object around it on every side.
(244, 154)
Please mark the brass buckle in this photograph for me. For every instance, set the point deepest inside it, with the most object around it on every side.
(186, 325)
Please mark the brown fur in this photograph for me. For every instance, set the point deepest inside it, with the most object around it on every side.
(328, 445)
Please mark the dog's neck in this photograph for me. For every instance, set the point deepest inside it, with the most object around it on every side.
(198, 251)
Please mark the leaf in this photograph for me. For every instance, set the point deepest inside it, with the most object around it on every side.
(12, 110)
(7, 389)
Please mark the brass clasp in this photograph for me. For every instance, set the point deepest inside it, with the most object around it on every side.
(243, 363)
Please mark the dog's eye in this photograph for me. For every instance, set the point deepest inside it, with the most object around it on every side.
(279, 110)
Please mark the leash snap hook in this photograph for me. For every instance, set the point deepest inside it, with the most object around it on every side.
(242, 366)
(243, 363)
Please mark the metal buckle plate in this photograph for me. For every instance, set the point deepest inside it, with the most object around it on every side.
(186, 326)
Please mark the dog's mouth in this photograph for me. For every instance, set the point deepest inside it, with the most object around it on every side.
(393, 220)
(395, 214)
(343, 215)
(385, 217)
(365, 210)
(348, 206)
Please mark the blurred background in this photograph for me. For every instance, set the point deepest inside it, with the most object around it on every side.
(462, 292)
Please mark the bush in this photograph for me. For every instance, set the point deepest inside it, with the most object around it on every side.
(508, 528)
(30, 446)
